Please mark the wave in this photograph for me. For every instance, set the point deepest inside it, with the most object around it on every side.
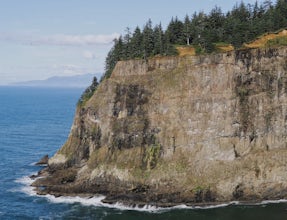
(26, 187)
(38, 165)
(266, 202)
(97, 201)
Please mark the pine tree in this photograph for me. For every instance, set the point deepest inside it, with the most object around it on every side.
(175, 32)
(215, 23)
(137, 44)
(148, 41)
(238, 22)
(114, 55)
(158, 40)
(127, 50)
(280, 14)
(187, 29)
(88, 93)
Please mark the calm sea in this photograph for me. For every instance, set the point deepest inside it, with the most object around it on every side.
(35, 122)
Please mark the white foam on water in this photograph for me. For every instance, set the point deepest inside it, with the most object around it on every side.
(38, 165)
(222, 205)
(26, 187)
(146, 208)
(97, 200)
(266, 202)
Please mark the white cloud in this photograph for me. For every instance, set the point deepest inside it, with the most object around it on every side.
(89, 55)
(60, 39)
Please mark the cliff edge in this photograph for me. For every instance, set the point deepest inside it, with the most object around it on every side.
(194, 129)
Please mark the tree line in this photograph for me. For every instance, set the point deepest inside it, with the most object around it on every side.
(242, 24)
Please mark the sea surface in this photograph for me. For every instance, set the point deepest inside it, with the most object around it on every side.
(35, 122)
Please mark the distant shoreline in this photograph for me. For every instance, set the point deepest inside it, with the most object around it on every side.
(75, 81)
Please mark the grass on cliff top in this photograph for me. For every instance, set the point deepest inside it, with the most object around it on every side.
(193, 50)
(278, 38)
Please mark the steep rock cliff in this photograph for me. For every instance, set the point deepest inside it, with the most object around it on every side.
(171, 130)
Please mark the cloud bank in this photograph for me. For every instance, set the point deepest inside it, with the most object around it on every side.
(60, 39)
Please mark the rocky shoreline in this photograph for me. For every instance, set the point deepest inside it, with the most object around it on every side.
(46, 182)
(54, 182)
(61, 182)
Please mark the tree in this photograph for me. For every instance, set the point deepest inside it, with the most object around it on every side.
(158, 40)
(215, 23)
(114, 55)
(238, 25)
(88, 93)
(187, 29)
(268, 19)
(127, 44)
(136, 44)
(175, 32)
(148, 40)
(280, 15)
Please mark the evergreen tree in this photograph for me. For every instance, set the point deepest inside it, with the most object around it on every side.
(175, 32)
(158, 40)
(114, 55)
(268, 20)
(137, 44)
(148, 40)
(169, 48)
(238, 22)
(127, 50)
(88, 93)
(198, 26)
(280, 15)
(215, 23)
(187, 30)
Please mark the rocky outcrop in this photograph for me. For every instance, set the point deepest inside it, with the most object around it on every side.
(44, 160)
(195, 129)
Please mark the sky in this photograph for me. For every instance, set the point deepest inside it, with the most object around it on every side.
(44, 38)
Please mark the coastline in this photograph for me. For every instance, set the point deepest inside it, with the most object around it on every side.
(123, 203)
(97, 201)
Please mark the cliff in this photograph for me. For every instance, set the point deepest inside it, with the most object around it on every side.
(194, 129)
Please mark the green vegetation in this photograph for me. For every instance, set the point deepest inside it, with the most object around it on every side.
(203, 31)
(152, 154)
(87, 94)
(278, 41)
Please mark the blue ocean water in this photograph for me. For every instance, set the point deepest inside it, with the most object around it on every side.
(35, 122)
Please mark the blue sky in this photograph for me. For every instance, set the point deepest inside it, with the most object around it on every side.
(44, 38)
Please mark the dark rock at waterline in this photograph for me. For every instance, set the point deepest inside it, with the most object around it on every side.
(33, 176)
(43, 161)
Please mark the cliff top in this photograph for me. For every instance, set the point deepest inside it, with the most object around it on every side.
(268, 39)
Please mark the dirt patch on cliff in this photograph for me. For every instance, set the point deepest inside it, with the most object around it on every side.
(187, 50)
(263, 40)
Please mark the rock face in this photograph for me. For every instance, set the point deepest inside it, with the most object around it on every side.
(44, 160)
(195, 129)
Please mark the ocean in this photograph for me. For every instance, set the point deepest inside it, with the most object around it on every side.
(35, 122)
